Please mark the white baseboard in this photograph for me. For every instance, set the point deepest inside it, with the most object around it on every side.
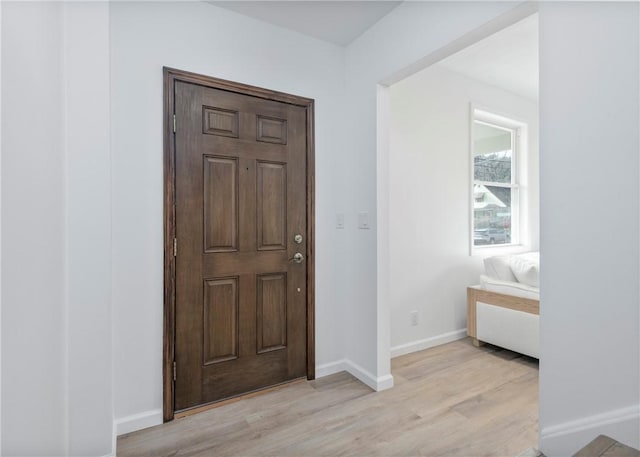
(138, 421)
(377, 383)
(567, 438)
(114, 440)
(330, 368)
(427, 343)
(384, 382)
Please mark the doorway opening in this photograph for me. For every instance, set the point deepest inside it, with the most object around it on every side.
(458, 194)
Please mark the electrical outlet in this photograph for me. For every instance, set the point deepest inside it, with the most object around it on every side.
(413, 315)
(340, 220)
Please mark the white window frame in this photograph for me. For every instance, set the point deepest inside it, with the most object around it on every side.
(518, 138)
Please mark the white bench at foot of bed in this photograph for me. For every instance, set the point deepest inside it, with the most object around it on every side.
(503, 320)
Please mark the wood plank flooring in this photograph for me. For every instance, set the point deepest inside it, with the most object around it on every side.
(451, 400)
(604, 446)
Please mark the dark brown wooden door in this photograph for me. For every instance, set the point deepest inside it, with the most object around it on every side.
(240, 183)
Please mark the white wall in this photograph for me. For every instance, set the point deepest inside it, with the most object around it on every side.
(0, 226)
(56, 360)
(429, 201)
(33, 232)
(204, 39)
(88, 224)
(410, 32)
(589, 148)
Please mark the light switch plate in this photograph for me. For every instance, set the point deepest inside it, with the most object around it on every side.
(363, 221)
(340, 220)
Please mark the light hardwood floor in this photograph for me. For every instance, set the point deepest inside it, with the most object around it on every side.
(451, 400)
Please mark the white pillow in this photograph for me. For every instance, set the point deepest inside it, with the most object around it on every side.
(498, 267)
(532, 256)
(526, 270)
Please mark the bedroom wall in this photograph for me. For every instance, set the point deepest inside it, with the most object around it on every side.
(590, 313)
(212, 41)
(429, 201)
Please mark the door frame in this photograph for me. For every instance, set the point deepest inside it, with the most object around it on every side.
(171, 76)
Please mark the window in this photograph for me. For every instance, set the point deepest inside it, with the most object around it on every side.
(495, 151)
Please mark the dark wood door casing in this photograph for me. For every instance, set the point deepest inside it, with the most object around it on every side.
(271, 239)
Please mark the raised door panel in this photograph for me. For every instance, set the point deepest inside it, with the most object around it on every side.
(271, 130)
(271, 312)
(271, 201)
(220, 319)
(221, 122)
(220, 204)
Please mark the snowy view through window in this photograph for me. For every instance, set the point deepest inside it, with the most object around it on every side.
(493, 184)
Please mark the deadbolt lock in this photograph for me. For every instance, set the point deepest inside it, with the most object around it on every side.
(297, 238)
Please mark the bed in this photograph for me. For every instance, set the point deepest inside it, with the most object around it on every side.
(504, 308)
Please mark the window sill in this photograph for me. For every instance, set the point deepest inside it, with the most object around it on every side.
(489, 250)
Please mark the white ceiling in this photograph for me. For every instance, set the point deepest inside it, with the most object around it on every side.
(338, 22)
(507, 59)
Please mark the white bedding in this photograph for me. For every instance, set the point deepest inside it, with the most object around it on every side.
(509, 288)
(526, 268)
(498, 267)
(517, 276)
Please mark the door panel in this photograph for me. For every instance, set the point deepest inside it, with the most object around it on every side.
(221, 122)
(272, 130)
(271, 310)
(271, 202)
(220, 204)
(240, 200)
(220, 320)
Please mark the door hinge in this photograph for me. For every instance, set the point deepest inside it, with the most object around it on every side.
(175, 371)
(174, 123)
(175, 247)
